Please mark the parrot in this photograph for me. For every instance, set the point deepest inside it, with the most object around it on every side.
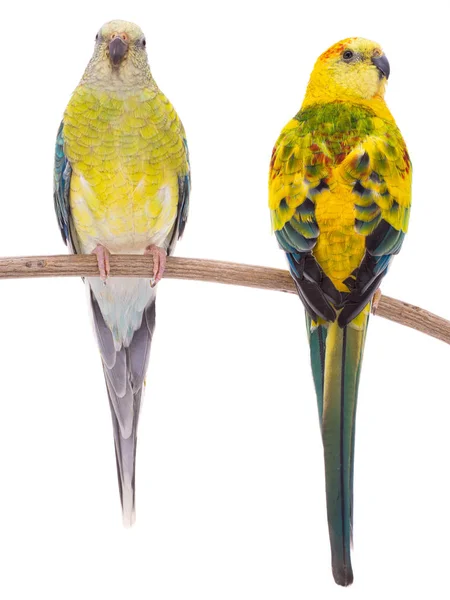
(339, 199)
(122, 186)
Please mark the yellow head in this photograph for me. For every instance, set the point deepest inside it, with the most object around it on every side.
(120, 57)
(354, 69)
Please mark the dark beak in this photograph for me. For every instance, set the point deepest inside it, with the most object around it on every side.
(382, 64)
(117, 50)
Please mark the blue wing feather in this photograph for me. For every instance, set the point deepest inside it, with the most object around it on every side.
(184, 190)
(61, 190)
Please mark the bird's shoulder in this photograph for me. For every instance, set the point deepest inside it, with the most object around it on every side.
(327, 133)
(341, 141)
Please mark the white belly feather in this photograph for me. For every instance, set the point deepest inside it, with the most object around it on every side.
(122, 300)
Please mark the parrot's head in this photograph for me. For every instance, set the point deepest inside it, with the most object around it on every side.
(119, 55)
(352, 69)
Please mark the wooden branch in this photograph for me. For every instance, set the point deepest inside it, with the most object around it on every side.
(212, 271)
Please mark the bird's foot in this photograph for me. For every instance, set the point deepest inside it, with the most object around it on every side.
(376, 301)
(102, 260)
(159, 262)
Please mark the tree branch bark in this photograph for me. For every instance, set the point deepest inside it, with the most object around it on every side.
(211, 271)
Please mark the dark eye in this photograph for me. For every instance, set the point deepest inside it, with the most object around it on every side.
(347, 55)
(144, 43)
(96, 38)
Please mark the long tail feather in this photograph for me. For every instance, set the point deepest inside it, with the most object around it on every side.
(317, 344)
(336, 356)
(125, 447)
(124, 372)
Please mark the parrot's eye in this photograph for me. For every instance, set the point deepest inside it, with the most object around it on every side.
(96, 38)
(347, 55)
(144, 43)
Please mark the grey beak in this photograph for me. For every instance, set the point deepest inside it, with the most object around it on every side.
(117, 50)
(382, 64)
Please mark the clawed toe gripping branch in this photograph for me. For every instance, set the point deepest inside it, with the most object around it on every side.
(207, 270)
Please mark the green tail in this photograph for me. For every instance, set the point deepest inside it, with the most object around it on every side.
(336, 356)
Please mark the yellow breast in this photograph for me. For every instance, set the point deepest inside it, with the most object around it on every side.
(126, 155)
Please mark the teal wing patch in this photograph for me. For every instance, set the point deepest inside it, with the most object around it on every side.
(184, 190)
(61, 189)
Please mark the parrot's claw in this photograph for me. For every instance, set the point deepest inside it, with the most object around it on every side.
(376, 301)
(159, 262)
(102, 260)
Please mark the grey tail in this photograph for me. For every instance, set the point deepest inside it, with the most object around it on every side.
(124, 371)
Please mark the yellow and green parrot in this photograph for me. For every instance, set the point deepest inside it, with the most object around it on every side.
(121, 185)
(340, 197)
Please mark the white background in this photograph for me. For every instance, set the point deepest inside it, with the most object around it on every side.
(230, 482)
